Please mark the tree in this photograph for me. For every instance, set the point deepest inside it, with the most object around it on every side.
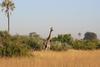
(8, 6)
(90, 36)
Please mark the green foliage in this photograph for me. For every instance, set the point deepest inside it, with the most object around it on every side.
(84, 44)
(12, 45)
(66, 38)
(88, 43)
(97, 44)
(62, 42)
(19, 45)
(35, 43)
(78, 44)
(58, 46)
(10, 49)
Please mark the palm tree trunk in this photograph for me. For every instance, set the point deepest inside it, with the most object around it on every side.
(8, 17)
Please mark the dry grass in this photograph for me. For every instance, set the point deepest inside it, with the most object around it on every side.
(71, 58)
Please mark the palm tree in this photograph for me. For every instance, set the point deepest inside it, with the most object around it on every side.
(8, 6)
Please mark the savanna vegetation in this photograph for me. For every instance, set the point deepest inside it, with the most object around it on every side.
(70, 58)
(23, 45)
(64, 51)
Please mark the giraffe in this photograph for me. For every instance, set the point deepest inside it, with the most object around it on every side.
(47, 42)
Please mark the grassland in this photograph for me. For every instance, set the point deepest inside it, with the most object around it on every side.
(70, 58)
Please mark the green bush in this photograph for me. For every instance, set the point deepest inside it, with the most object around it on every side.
(10, 49)
(78, 44)
(64, 38)
(35, 43)
(84, 44)
(58, 46)
(13, 45)
(97, 44)
(19, 45)
(89, 45)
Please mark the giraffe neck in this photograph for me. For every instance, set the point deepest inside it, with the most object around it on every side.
(49, 35)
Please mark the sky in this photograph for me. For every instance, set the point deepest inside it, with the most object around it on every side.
(65, 16)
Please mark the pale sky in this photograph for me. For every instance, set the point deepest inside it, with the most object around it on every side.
(66, 16)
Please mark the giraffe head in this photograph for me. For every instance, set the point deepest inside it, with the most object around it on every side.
(51, 29)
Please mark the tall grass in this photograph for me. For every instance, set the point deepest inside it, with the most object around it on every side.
(71, 58)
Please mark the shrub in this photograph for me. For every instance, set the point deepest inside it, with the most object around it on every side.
(84, 44)
(90, 45)
(35, 43)
(65, 38)
(78, 44)
(13, 45)
(10, 49)
(58, 46)
(97, 44)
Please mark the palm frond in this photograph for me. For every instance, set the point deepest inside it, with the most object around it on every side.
(7, 5)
